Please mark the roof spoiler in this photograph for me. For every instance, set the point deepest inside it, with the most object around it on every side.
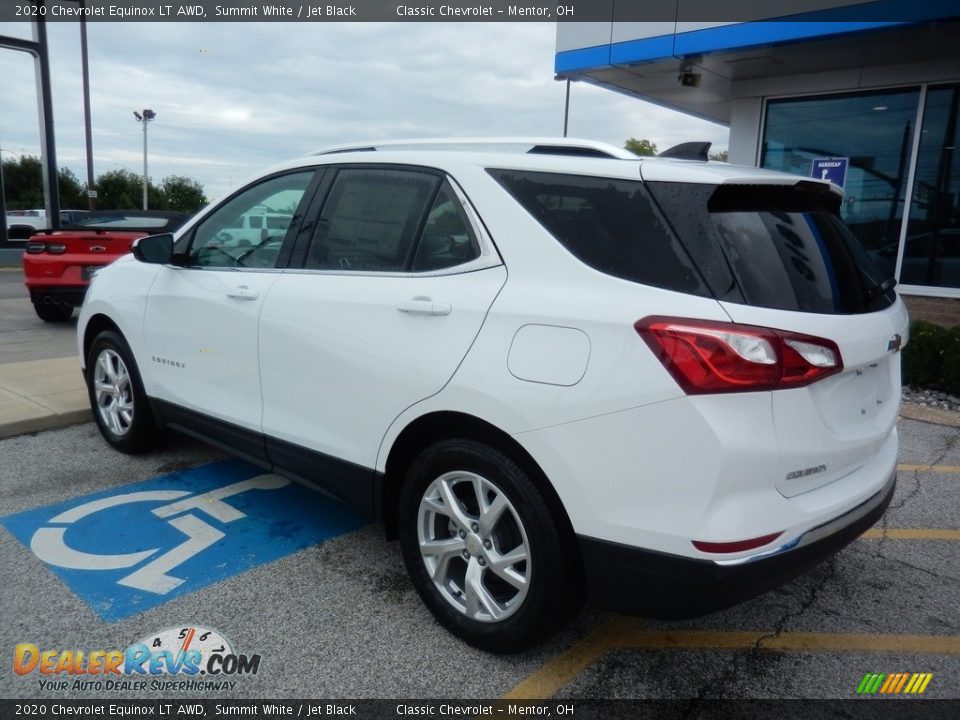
(688, 151)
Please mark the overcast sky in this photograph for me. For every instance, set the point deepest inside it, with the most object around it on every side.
(232, 98)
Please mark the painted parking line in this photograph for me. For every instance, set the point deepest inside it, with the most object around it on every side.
(911, 534)
(559, 671)
(131, 548)
(944, 469)
(621, 633)
(796, 641)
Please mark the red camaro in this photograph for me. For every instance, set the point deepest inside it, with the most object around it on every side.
(57, 264)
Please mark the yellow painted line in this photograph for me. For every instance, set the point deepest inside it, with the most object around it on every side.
(734, 640)
(945, 469)
(559, 671)
(626, 633)
(911, 534)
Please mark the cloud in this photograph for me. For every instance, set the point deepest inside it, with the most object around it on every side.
(232, 98)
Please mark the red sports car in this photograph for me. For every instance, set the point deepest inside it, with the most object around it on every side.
(57, 264)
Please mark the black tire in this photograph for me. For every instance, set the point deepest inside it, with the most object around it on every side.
(54, 313)
(140, 433)
(552, 594)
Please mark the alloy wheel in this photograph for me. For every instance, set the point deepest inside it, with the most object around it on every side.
(474, 546)
(113, 392)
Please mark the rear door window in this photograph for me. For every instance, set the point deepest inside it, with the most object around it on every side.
(447, 239)
(370, 220)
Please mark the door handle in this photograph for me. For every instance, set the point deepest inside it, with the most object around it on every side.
(424, 306)
(242, 292)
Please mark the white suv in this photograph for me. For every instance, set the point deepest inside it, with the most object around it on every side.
(565, 371)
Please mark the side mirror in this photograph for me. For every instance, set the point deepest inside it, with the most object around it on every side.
(154, 249)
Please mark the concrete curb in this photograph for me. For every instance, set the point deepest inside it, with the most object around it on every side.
(42, 395)
(936, 416)
(47, 422)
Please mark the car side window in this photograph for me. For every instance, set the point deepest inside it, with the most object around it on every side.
(249, 229)
(447, 239)
(370, 220)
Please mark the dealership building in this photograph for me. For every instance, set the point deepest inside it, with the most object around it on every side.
(859, 94)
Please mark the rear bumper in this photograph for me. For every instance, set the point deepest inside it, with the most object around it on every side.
(55, 295)
(46, 274)
(661, 585)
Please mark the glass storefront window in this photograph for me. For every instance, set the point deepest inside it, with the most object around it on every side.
(875, 131)
(931, 254)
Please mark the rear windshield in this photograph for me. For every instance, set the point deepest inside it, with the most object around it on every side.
(775, 246)
(135, 220)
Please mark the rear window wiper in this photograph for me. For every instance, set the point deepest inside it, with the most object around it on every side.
(881, 288)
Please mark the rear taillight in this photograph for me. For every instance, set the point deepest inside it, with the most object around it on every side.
(56, 248)
(705, 356)
(35, 248)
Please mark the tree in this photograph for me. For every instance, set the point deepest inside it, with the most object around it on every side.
(72, 195)
(640, 147)
(123, 190)
(720, 156)
(116, 189)
(23, 185)
(183, 194)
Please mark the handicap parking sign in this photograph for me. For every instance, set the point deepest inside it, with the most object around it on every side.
(833, 169)
(132, 548)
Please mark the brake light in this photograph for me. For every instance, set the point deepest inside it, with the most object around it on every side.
(56, 248)
(706, 356)
(35, 248)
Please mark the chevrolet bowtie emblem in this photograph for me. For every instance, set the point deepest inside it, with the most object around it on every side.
(101, 248)
(894, 344)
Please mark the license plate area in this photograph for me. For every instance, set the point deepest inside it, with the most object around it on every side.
(856, 396)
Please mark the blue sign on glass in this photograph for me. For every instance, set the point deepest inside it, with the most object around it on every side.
(833, 169)
(134, 547)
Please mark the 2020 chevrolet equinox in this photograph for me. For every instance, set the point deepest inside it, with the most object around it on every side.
(552, 369)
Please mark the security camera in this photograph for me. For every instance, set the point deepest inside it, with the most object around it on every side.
(689, 79)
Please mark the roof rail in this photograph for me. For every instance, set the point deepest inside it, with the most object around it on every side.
(688, 151)
(536, 145)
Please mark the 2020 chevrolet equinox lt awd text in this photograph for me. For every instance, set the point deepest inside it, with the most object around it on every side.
(552, 373)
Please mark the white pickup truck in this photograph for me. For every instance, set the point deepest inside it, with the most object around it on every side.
(22, 224)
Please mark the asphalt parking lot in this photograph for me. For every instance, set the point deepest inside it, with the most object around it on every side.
(324, 599)
(23, 336)
(93, 557)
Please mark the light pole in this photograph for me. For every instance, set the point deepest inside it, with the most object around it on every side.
(144, 117)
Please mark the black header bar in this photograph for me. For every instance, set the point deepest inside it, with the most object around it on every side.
(478, 11)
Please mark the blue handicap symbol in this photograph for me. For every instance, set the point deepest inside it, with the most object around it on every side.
(833, 169)
(131, 548)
